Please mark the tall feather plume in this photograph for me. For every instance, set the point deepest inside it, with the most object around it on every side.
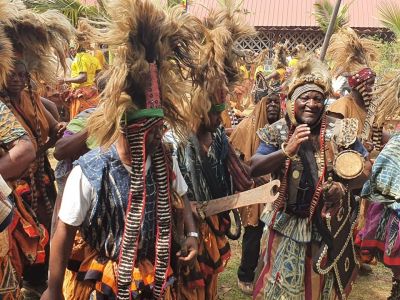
(350, 53)
(218, 70)
(6, 50)
(38, 37)
(60, 32)
(280, 55)
(388, 93)
(144, 33)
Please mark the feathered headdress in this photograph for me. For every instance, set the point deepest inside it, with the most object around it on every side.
(6, 50)
(350, 53)
(309, 74)
(219, 70)
(36, 38)
(280, 56)
(388, 94)
(147, 40)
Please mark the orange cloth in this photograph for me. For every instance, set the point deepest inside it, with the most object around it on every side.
(22, 244)
(95, 274)
(348, 108)
(25, 113)
(200, 283)
(81, 99)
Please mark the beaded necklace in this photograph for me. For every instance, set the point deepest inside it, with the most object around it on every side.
(279, 203)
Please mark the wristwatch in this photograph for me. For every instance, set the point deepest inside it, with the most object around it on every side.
(193, 234)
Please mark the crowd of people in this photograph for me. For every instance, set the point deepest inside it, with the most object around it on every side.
(172, 121)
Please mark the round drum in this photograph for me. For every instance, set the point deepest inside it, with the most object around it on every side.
(348, 164)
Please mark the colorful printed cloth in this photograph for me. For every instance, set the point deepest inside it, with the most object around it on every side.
(207, 178)
(10, 128)
(380, 236)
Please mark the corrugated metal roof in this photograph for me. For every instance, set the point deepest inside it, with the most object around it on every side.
(288, 13)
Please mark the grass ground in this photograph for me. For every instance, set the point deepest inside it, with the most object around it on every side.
(375, 286)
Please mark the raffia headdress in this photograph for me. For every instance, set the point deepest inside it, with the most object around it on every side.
(352, 55)
(6, 51)
(146, 40)
(309, 74)
(37, 37)
(388, 94)
(280, 56)
(219, 68)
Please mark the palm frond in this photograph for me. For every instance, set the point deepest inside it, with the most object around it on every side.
(389, 15)
(323, 10)
(72, 9)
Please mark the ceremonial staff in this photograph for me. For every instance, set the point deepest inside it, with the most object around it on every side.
(329, 32)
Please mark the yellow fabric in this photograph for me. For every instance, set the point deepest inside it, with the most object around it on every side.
(281, 72)
(244, 71)
(100, 56)
(85, 63)
(293, 62)
(348, 108)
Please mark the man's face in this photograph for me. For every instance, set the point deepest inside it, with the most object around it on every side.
(309, 107)
(215, 121)
(154, 137)
(273, 107)
(17, 79)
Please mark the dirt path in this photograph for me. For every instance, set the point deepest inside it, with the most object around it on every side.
(375, 286)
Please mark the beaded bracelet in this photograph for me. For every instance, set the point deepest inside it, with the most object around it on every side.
(286, 154)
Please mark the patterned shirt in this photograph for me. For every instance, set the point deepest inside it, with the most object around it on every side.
(10, 128)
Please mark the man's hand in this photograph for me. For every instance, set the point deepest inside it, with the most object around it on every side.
(191, 245)
(60, 129)
(300, 135)
(52, 295)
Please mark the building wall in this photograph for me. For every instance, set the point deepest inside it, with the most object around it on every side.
(311, 37)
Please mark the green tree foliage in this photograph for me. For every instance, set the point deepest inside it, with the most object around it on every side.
(323, 10)
(72, 9)
(389, 15)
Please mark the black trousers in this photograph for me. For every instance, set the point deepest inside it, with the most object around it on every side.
(250, 252)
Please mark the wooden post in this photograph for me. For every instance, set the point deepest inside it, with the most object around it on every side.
(329, 32)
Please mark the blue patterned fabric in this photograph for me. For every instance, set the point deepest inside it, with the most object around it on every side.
(384, 183)
(111, 181)
(104, 227)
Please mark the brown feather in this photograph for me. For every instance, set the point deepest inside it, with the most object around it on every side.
(218, 65)
(39, 38)
(388, 93)
(144, 33)
(350, 53)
